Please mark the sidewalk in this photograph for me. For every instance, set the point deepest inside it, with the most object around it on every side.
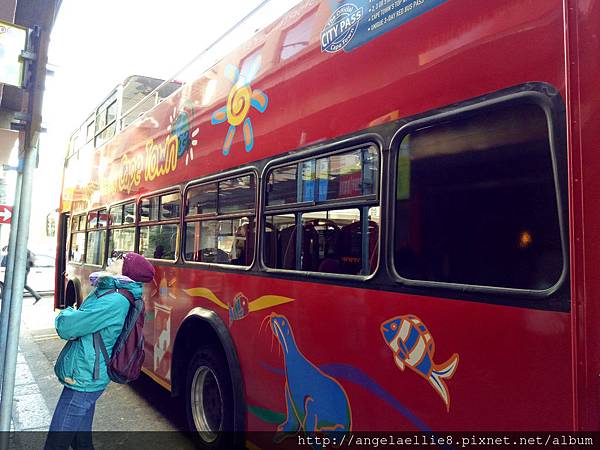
(31, 411)
(141, 406)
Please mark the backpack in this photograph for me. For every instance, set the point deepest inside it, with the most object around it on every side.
(127, 357)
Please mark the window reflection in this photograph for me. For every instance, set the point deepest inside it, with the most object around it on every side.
(297, 37)
(476, 201)
(342, 241)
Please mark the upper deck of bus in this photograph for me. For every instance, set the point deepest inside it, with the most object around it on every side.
(326, 69)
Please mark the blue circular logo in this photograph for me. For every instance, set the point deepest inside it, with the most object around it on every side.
(340, 28)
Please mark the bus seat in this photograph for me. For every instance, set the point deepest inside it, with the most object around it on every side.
(330, 265)
(310, 247)
(287, 248)
(350, 245)
(271, 254)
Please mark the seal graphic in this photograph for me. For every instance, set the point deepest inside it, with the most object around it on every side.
(340, 28)
(316, 402)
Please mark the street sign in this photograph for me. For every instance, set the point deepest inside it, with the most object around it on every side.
(5, 213)
(13, 40)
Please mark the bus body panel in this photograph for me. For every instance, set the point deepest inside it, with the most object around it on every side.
(517, 368)
(584, 139)
(512, 363)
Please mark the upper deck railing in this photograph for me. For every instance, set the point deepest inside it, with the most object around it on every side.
(258, 18)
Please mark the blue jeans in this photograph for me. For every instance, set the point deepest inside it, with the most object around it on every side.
(72, 420)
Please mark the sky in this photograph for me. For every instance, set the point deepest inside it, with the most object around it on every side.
(94, 46)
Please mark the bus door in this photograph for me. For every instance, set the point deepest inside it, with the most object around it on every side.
(61, 260)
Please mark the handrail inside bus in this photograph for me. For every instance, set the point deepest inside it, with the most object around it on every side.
(251, 28)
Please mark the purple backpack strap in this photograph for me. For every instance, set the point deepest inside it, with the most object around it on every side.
(99, 345)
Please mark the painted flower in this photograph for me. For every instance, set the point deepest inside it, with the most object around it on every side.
(241, 98)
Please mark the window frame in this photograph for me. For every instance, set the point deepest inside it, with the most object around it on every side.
(555, 144)
(361, 202)
(90, 122)
(102, 111)
(110, 227)
(237, 173)
(76, 218)
(290, 27)
(96, 228)
(139, 224)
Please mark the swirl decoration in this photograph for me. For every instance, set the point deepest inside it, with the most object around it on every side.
(241, 98)
(238, 104)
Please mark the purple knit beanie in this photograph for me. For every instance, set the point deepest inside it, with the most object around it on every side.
(137, 267)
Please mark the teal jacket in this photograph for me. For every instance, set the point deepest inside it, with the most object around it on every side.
(75, 365)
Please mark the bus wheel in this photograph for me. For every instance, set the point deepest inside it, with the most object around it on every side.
(209, 402)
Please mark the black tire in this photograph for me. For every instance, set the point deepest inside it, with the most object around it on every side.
(209, 400)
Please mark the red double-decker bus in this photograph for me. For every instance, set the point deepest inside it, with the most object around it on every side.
(373, 215)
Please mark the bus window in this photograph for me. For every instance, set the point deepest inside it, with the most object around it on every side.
(324, 238)
(297, 37)
(236, 194)
(95, 247)
(77, 241)
(116, 215)
(227, 241)
(92, 220)
(149, 209)
(95, 238)
(121, 240)
(202, 199)
(281, 186)
(102, 218)
(169, 206)
(106, 125)
(217, 239)
(159, 241)
(277, 241)
(341, 176)
(111, 112)
(331, 241)
(129, 213)
(159, 232)
(90, 131)
(476, 201)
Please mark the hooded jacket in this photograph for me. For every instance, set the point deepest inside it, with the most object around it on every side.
(106, 314)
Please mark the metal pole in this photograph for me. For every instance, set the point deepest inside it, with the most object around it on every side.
(28, 152)
(14, 320)
(8, 275)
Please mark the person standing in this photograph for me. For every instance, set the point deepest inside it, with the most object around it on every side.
(30, 264)
(104, 310)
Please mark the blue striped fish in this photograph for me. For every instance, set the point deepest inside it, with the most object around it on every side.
(413, 347)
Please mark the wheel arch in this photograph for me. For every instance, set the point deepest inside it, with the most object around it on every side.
(206, 327)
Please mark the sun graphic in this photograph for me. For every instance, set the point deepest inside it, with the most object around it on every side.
(241, 97)
(179, 125)
(165, 288)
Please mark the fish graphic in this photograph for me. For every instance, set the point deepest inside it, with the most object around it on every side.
(239, 309)
(413, 347)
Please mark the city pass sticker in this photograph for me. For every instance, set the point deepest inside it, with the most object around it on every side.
(340, 28)
(377, 17)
